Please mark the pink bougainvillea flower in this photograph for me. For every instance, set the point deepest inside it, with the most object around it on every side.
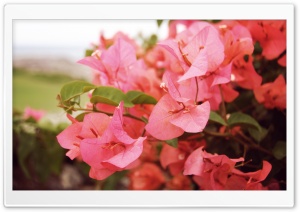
(272, 94)
(244, 74)
(146, 177)
(237, 40)
(33, 113)
(174, 158)
(211, 171)
(179, 182)
(169, 119)
(70, 139)
(270, 34)
(254, 178)
(174, 113)
(218, 172)
(204, 52)
(112, 150)
(113, 63)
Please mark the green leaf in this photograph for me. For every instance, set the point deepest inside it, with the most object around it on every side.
(81, 116)
(258, 135)
(242, 119)
(110, 95)
(279, 150)
(138, 97)
(89, 52)
(173, 142)
(159, 22)
(215, 117)
(70, 92)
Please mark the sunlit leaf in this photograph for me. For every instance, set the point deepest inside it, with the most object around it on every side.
(242, 119)
(138, 97)
(110, 95)
(215, 117)
(74, 89)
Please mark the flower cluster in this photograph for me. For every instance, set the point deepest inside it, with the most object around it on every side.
(156, 110)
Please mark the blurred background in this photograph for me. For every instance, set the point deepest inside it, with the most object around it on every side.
(45, 55)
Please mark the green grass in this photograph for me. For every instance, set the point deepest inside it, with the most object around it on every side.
(37, 90)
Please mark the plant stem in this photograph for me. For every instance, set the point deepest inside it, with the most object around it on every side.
(98, 185)
(110, 114)
(216, 133)
(223, 108)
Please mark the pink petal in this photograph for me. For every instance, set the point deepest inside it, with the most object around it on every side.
(282, 61)
(100, 174)
(229, 93)
(71, 118)
(274, 44)
(73, 153)
(198, 67)
(92, 62)
(208, 38)
(194, 165)
(93, 152)
(116, 126)
(222, 75)
(173, 87)
(120, 54)
(159, 125)
(169, 155)
(94, 125)
(129, 155)
(69, 136)
(193, 121)
(259, 175)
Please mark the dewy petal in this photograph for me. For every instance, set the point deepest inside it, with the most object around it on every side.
(194, 165)
(94, 125)
(194, 120)
(126, 157)
(68, 137)
(159, 125)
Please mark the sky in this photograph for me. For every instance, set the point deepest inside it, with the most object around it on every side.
(71, 37)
